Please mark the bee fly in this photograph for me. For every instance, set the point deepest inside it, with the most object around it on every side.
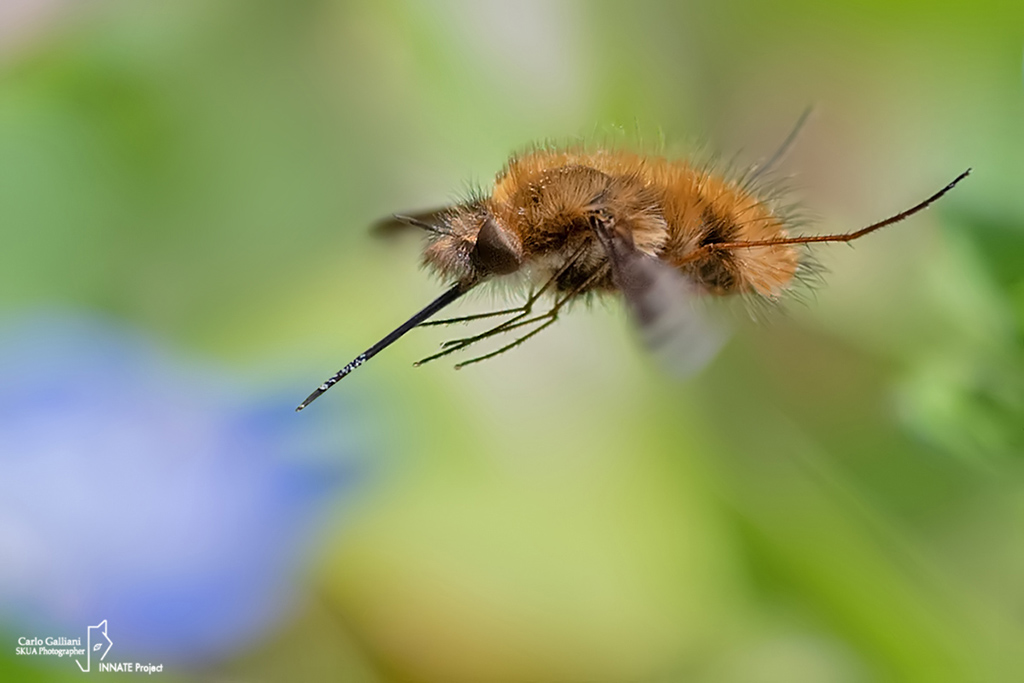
(578, 221)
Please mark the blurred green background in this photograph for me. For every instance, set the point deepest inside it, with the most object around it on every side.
(839, 497)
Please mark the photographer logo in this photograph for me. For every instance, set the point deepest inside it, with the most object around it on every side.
(97, 645)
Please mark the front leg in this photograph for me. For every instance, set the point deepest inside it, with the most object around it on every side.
(516, 321)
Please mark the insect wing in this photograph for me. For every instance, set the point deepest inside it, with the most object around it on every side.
(665, 308)
(421, 221)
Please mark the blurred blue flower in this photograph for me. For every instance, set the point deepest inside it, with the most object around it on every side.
(151, 490)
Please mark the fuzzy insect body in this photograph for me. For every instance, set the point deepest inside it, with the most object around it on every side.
(544, 203)
(576, 221)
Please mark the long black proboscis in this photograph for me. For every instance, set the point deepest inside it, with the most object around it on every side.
(433, 307)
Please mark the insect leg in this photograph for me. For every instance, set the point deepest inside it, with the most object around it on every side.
(512, 345)
(458, 344)
(551, 315)
(516, 321)
(525, 308)
(840, 237)
(756, 171)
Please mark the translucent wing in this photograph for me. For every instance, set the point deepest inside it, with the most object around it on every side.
(664, 306)
(429, 221)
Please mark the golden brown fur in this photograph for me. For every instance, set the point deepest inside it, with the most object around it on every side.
(545, 199)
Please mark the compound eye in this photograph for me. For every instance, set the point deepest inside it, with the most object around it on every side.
(497, 252)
